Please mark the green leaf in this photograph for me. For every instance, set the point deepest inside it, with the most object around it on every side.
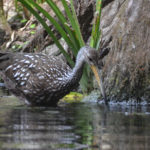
(74, 22)
(64, 24)
(32, 26)
(76, 25)
(96, 32)
(23, 20)
(32, 32)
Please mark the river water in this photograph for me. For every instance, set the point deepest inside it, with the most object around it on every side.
(77, 126)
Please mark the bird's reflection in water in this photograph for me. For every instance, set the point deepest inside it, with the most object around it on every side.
(74, 126)
(41, 128)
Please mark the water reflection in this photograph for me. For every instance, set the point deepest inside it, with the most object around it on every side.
(76, 126)
(3, 90)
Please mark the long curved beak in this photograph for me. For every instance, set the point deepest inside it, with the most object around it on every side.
(99, 80)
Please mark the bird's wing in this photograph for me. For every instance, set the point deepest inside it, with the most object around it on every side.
(34, 72)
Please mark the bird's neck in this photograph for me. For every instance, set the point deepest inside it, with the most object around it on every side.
(76, 73)
(78, 69)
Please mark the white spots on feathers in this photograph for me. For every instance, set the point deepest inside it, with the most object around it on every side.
(49, 75)
(14, 65)
(21, 75)
(8, 67)
(16, 74)
(55, 82)
(18, 78)
(32, 65)
(28, 74)
(34, 92)
(25, 78)
(60, 79)
(36, 61)
(23, 60)
(22, 83)
(29, 56)
(14, 68)
(37, 56)
(18, 66)
(26, 91)
(27, 62)
(47, 80)
(41, 77)
(23, 69)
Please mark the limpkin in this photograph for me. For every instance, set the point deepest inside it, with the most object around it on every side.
(42, 80)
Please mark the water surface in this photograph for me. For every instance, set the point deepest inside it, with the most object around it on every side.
(77, 126)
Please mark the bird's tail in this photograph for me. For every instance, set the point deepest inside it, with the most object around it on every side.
(4, 60)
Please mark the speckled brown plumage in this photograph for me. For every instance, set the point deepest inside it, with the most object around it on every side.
(40, 79)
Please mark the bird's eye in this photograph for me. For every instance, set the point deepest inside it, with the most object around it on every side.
(90, 59)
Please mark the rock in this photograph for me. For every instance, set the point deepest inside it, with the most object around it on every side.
(54, 50)
(126, 70)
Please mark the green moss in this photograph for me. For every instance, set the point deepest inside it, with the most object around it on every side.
(73, 97)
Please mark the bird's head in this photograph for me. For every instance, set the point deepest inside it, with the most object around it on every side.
(91, 57)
